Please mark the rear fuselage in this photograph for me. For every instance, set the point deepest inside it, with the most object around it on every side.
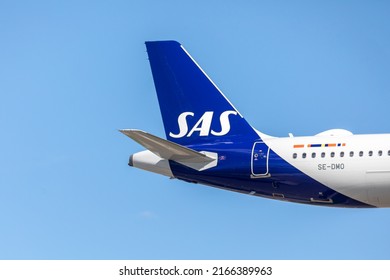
(346, 171)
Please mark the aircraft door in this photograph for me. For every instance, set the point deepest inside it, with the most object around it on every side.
(260, 154)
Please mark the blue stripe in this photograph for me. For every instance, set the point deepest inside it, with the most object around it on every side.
(315, 145)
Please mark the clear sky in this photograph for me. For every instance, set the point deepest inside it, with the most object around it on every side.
(73, 72)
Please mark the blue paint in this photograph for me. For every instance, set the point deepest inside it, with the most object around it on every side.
(182, 86)
(315, 145)
(234, 173)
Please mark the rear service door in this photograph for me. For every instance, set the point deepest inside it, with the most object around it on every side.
(260, 154)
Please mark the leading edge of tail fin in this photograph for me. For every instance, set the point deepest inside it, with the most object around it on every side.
(193, 108)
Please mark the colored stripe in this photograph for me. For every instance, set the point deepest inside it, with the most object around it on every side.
(314, 145)
(321, 145)
(330, 145)
(299, 146)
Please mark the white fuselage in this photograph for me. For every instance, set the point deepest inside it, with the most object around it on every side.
(357, 166)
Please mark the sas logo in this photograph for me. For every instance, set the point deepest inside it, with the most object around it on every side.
(203, 125)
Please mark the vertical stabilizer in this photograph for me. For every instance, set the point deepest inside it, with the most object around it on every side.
(193, 108)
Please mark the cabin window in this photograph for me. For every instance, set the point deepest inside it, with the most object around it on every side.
(351, 154)
(322, 154)
(332, 154)
(304, 155)
(294, 155)
(370, 153)
(313, 155)
(360, 153)
(388, 152)
(341, 154)
(380, 153)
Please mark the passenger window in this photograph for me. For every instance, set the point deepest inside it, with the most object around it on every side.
(341, 154)
(313, 155)
(370, 153)
(332, 154)
(351, 154)
(304, 155)
(322, 154)
(388, 152)
(360, 153)
(380, 153)
(294, 155)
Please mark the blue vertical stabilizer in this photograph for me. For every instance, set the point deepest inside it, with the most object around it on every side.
(193, 109)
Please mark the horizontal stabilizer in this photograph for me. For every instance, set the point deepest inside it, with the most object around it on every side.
(171, 151)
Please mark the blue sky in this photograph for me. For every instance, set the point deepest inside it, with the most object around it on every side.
(73, 72)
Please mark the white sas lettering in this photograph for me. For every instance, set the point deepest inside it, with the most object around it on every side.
(182, 125)
(203, 125)
(225, 124)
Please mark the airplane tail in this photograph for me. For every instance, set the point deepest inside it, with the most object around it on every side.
(193, 108)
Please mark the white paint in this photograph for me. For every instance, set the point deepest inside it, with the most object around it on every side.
(183, 126)
(363, 178)
(149, 161)
(203, 125)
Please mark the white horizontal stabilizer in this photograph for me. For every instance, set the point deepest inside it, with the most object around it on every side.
(171, 151)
